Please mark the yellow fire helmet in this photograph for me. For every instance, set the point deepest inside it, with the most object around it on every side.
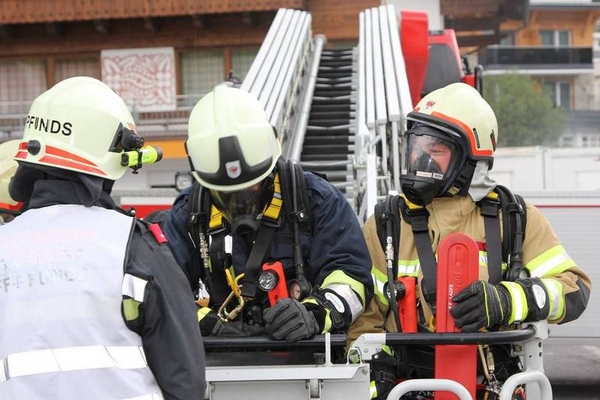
(231, 144)
(78, 125)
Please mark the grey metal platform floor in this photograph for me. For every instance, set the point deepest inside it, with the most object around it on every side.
(573, 367)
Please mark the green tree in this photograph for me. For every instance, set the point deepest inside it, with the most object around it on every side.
(525, 116)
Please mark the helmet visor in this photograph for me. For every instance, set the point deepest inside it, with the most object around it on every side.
(428, 156)
(244, 207)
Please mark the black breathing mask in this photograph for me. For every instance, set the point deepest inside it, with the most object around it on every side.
(243, 208)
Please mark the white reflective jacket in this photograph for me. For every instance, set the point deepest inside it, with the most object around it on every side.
(61, 330)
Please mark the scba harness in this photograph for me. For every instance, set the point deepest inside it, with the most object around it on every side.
(509, 250)
(206, 221)
(503, 244)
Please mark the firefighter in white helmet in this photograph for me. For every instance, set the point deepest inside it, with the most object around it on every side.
(274, 214)
(9, 208)
(448, 150)
(93, 304)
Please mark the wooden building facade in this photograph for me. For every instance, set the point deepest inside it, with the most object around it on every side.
(43, 42)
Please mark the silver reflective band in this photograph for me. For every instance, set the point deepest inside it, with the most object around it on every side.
(152, 396)
(71, 359)
(346, 292)
(134, 287)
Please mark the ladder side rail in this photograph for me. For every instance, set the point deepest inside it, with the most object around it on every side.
(297, 140)
(403, 88)
(267, 67)
(282, 63)
(285, 104)
(257, 65)
(369, 82)
(380, 103)
(391, 88)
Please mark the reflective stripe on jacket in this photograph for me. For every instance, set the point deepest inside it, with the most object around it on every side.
(543, 256)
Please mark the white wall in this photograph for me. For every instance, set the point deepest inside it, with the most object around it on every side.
(542, 168)
(577, 228)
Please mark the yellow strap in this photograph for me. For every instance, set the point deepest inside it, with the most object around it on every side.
(216, 218)
(270, 213)
(411, 206)
(493, 196)
(273, 209)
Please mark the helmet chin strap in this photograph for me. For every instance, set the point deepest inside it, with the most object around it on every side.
(462, 182)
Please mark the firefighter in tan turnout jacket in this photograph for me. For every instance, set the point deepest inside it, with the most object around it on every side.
(448, 151)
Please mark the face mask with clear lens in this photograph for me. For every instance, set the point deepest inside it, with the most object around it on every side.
(429, 156)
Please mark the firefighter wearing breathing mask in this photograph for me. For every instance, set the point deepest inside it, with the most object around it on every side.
(9, 208)
(257, 263)
(447, 153)
(93, 304)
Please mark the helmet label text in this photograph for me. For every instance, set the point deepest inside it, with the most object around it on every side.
(48, 125)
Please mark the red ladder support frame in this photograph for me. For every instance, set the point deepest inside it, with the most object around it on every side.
(458, 266)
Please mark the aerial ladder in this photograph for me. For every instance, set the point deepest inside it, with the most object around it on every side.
(341, 112)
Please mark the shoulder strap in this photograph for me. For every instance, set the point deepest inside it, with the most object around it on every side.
(418, 218)
(387, 221)
(298, 212)
(514, 213)
(521, 201)
(211, 259)
(489, 208)
(295, 197)
(198, 213)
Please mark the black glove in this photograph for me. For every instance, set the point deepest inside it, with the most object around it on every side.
(289, 319)
(211, 325)
(481, 305)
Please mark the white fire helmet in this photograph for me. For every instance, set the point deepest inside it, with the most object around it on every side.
(77, 125)
(463, 127)
(459, 109)
(231, 144)
(8, 166)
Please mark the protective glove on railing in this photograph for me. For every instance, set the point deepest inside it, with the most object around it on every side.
(290, 320)
(211, 325)
(319, 313)
(483, 305)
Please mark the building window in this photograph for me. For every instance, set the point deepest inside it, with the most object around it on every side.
(241, 60)
(566, 141)
(508, 40)
(559, 93)
(68, 68)
(564, 95)
(555, 38)
(201, 71)
(590, 140)
(21, 82)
